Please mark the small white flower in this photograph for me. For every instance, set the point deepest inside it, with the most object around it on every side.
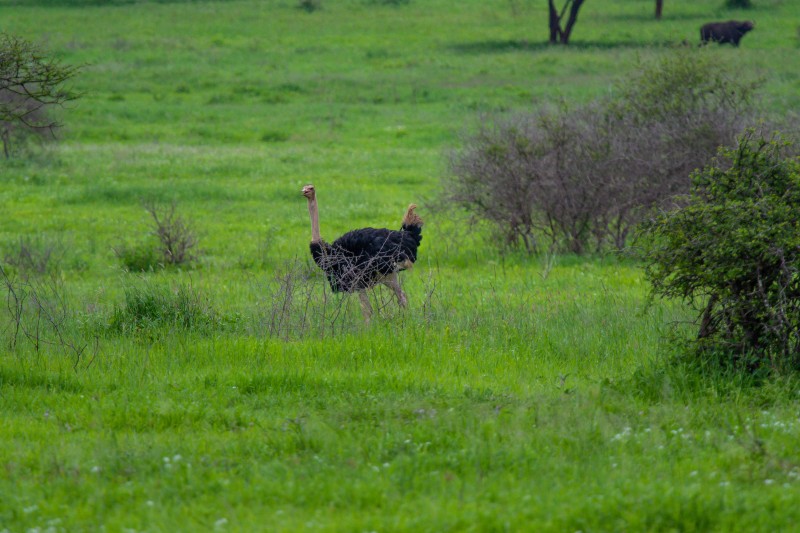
(149, 503)
(724, 483)
(769, 481)
(222, 522)
(177, 457)
(693, 473)
(95, 469)
(31, 509)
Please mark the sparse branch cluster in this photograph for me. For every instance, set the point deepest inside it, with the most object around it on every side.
(581, 178)
(39, 313)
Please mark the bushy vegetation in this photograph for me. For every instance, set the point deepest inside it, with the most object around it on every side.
(738, 4)
(149, 307)
(733, 251)
(582, 177)
(173, 242)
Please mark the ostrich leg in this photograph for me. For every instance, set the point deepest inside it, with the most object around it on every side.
(366, 307)
(392, 281)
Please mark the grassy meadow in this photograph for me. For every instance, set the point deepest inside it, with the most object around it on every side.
(516, 393)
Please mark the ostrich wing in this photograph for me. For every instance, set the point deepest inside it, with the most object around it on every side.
(360, 258)
(382, 248)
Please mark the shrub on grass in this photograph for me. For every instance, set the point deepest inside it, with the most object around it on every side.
(176, 236)
(175, 242)
(37, 312)
(738, 4)
(34, 257)
(152, 306)
(733, 252)
(309, 5)
(140, 257)
(583, 177)
(275, 137)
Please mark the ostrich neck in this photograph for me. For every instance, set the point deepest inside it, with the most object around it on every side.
(312, 211)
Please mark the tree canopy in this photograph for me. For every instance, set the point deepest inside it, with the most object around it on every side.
(30, 81)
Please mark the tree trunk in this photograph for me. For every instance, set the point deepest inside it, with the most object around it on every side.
(557, 34)
(659, 8)
(573, 18)
(555, 23)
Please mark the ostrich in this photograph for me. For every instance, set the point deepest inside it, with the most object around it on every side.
(362, 258)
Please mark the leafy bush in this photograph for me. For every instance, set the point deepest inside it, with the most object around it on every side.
(733, 252)
(584, 177)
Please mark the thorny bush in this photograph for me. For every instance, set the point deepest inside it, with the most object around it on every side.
(733, 252)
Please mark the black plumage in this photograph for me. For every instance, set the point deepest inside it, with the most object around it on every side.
(363, 257)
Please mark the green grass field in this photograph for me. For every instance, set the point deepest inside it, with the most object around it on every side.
(516, 393)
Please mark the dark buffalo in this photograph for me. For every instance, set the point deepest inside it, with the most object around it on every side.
(725, 32)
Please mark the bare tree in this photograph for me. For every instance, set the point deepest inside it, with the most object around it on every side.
(29, 82)
(559, 34)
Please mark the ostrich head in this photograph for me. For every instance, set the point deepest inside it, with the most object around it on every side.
(308, 192)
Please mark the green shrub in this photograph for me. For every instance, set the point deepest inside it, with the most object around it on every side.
(733, 252)
(309, 5)
(152, 306)
(274, 137)
(738, 4)
(141, 257)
